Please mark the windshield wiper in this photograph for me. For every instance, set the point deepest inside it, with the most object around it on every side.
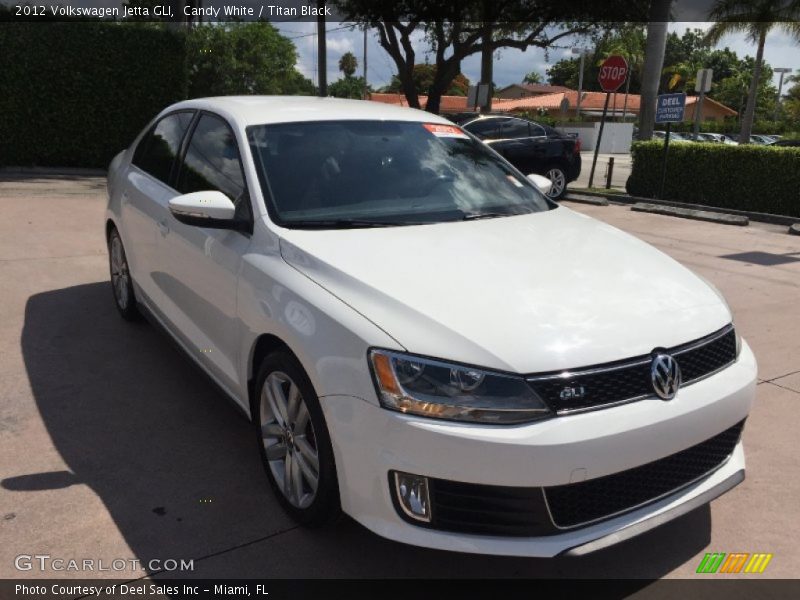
(485, 215)
(346, 224)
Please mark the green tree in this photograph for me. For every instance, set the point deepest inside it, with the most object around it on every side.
(733, 90)
(756, 18)
(242, 58)
(423, 78)
(627, 40)
(532, 77)
(348, 87)
(565, 72)
(456, 30)
(348, 64)
(791, 101)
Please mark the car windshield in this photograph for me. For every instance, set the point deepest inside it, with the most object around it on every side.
(332, 174)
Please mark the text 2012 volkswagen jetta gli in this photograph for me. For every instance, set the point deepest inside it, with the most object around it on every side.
(421, 338)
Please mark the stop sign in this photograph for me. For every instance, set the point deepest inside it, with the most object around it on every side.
(612, 73)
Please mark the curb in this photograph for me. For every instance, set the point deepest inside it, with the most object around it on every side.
(594, 201)
(753, 216)
(687, 213)
(52, 171)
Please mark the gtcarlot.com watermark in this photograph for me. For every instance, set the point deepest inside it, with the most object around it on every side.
(47, 563)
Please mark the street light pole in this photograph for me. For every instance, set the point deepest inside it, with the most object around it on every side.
(780, 70)
(322, 53)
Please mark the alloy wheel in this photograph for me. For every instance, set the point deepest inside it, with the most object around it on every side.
(558, 182)
(290, 443)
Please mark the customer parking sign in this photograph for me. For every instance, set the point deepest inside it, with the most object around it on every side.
(670, 108)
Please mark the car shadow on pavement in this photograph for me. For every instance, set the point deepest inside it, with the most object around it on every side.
(176, 465)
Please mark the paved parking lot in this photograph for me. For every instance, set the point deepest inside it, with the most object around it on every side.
(113, 446)
(619, 173)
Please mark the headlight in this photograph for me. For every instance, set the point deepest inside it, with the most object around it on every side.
(432, 388)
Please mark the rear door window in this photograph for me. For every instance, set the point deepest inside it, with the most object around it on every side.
(514, 129)
(485, 129)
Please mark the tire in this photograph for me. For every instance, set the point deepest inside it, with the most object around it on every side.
(558, 178)
(121, 282)
(292, 436)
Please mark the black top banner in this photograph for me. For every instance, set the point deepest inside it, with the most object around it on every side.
(498, 11)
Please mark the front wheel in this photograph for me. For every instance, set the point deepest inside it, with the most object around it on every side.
(558, 181)
(294, 442)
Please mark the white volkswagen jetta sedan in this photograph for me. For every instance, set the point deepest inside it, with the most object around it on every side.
(419, 336)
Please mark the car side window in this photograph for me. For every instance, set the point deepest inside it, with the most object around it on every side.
(538, 130)
(514, 129)
(485, 128)
(158, 149)
(213, 162)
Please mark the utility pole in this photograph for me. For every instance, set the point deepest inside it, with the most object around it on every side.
(366, 94)
(322, 53)
(582, 52)
(780, 70)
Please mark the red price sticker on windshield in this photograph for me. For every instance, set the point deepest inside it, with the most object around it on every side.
(447, 131)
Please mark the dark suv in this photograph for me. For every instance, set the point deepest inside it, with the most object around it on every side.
(529, 146)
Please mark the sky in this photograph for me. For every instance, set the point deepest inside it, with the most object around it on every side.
(510, 65)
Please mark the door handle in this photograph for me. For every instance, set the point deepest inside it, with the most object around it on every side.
(163, 227)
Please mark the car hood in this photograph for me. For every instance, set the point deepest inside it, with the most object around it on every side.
(529, 293)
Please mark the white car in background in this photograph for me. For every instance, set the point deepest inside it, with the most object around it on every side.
(721, 138)
(420, 338)
(674, 136)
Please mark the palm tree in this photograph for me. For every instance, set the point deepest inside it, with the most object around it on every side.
(683, 74)
(532, 77)
(348, 64)
(756, 18)
(653, 63)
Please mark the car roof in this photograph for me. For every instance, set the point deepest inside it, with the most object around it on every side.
(257, 110)
(489, 116)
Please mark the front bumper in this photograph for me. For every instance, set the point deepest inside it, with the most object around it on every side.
(370, 441)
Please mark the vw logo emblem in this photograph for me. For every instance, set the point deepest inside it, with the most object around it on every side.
(665, 375)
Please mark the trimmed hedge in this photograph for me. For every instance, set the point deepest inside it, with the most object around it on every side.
(750, 177)
(75, 94)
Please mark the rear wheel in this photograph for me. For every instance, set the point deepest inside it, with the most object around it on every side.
(294, 442)
(121, 283)
(558, 181)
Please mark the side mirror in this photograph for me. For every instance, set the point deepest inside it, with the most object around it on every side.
(211, 209)
(541, 182)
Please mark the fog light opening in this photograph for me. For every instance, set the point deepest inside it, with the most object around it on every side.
(412, 496)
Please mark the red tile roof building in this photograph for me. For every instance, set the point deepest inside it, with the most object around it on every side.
(592, 105)
(448, 104)
(524, 90)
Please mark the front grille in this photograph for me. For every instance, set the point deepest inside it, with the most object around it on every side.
(625, 381)
(580, 503)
